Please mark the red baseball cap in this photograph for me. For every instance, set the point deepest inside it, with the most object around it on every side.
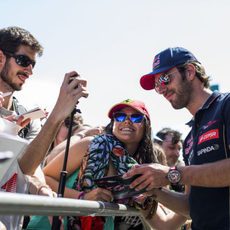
(137, 105)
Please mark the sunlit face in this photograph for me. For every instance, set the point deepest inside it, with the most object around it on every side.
(15, 75)
(172, 151)
(177, 91)
(129, 132)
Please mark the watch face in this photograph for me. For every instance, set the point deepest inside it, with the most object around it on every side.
(174, 176)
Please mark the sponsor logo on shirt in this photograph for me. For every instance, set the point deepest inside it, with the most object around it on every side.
(210, 135)
(189, 145)
(208, 124)
(208, 149)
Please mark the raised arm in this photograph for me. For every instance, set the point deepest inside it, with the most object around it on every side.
(76, 153)
(70, 93)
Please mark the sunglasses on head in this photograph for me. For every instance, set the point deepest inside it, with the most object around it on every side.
(22, 60)
(134, 118)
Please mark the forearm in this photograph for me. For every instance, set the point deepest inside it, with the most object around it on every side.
(37, 149)
(170, 221)
(178, 202)
(69, 193)
(215, 174)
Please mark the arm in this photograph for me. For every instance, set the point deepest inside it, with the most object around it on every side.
(60, 147)
(215, 174)
(75, 157)
(178, 202)
(163, 221)
(74, 138)
(68, 97)
(76, 154)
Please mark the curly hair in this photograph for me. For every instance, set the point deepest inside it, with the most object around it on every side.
(11, 38)
(200, 72)
(144, 153)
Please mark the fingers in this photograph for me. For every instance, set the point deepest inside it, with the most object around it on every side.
(99, 194)
(136, 169)
(152, 176)
(20, 121)
(72, 89)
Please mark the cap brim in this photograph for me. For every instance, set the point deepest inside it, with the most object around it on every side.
(119, 107)
(147, 81)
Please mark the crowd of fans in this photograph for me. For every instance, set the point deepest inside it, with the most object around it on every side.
(163, 189)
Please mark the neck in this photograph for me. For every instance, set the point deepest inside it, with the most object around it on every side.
(131, 148)
(4, 88)
(198, 99)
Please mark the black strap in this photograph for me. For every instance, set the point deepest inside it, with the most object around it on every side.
(19, 109)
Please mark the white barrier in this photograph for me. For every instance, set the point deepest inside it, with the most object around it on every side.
(22, 204)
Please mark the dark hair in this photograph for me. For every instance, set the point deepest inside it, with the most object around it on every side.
(200, 72)
(176, 135)
(11, 38)
(144, 153)
(77, 121)
(159, 153)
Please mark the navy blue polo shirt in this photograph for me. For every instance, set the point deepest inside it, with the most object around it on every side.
(209, 141)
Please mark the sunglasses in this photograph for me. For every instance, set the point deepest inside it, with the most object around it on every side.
(134, 118)
(163, 81)
(22, 60)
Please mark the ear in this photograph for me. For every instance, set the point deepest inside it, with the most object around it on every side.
(2, 59)
(190, 72)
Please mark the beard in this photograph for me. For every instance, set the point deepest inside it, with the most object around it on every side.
(4, 75)
(182, 95)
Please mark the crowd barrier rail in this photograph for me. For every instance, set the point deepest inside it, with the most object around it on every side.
(24, 204)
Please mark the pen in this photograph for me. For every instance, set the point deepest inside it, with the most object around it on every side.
(6, 94)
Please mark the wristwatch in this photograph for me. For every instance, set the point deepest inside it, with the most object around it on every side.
(174, 175)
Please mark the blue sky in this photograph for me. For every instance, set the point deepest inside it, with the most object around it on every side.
(111, 43)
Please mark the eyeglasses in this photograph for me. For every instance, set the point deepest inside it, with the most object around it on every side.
(163, 81)
(22, 60)
(134, 118)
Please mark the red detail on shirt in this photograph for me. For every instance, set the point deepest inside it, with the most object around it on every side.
(211, 134)
(11, 184)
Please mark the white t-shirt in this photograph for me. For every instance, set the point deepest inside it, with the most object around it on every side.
(16, 182)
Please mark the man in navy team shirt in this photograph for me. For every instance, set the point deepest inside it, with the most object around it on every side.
(181, 79)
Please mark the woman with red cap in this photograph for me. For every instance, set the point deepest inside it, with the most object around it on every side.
(126, 142)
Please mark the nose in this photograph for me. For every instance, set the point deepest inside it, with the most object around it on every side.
(177, 153)
(29, 69)
(127, 120)
(161, 89)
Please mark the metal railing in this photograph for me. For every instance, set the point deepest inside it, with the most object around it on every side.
(22, 204)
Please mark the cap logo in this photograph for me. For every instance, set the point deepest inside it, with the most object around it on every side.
(127, 101)
(156, 61)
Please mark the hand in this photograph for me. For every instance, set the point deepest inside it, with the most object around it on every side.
(153, 176)
(46, 191)
(70, 93)
(99, 194)
(92, 131)
(19, 121)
